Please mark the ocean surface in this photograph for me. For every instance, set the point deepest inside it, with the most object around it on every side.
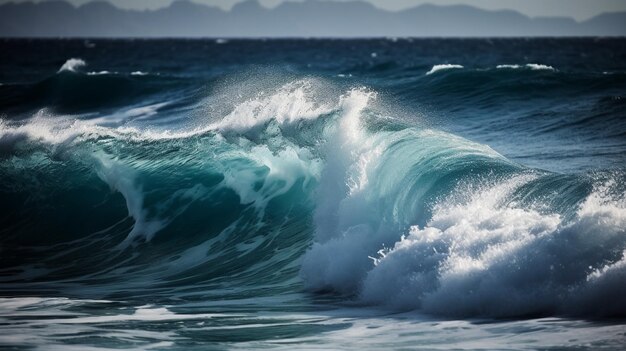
(313, 194)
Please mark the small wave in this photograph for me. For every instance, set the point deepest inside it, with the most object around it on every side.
(138, 73)
(72, 65)
(49, 129)
(100, 73)
(531, 66)
(508, 66)
(539, 67)
(437, 68)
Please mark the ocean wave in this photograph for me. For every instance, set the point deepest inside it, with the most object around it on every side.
(486, 258)
(75, 65)
(72, 65)
(100, 73)
(289, 104)
(539, 67)
(74, 91)
(496, 249)
(437, 68)
(406, 217)
(531, 66)
(508, 66)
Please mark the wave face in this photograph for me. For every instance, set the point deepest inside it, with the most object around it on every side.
(480, 191)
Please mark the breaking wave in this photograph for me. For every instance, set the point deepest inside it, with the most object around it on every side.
(72, 65)
(437, 68)
(290, 189)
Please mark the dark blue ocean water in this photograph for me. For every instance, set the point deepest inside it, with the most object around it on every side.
(313, 194)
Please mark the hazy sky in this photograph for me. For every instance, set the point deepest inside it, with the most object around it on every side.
(578, 9)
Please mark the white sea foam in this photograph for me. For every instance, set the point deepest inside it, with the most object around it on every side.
(72, 65)
(60, 324)
(138, 73)
(48, 128)
(539, 67)
(437, 68)
(366, 189)
(481, 256)
(434, 265)
(291, 103)
(531, 66)
(100, 73)
(508, 66)
(49, 323)
(45, 128)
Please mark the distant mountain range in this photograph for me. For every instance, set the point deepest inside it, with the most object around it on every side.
(313, 18)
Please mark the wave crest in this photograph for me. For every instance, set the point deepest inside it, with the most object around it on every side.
(72, 65)
(437, 68)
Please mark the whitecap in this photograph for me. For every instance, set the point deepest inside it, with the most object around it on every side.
(488, 258)
(100, 73)
(531, 66)
(289, 104)
(72, 65)
(508, 66)
(539, 67)
(437, 68)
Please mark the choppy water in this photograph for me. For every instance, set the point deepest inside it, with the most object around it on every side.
(316, 194)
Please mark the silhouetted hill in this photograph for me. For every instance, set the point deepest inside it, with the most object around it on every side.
(311, 18)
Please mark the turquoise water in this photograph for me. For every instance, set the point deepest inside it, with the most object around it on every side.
(315, 194)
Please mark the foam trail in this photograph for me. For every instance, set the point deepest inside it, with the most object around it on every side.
(123, 179)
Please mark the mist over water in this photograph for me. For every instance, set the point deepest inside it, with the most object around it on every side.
(247, 193)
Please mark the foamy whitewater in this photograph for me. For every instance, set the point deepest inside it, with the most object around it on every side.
(282, 200)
